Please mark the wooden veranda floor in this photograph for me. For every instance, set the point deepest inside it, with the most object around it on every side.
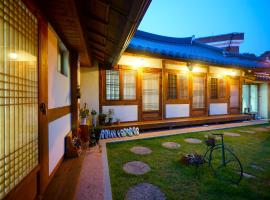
(189, 121)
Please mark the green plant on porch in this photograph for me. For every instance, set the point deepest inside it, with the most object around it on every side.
(84, 113)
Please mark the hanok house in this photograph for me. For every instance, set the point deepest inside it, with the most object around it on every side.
(42, 46)
(164, 82)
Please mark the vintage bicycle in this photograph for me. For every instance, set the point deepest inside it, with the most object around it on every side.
(223, 162)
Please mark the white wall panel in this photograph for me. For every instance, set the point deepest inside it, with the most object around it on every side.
(177, 110)
(90, 87)
(58, 130)
(218, 108)
(58, 84)
(124, 112)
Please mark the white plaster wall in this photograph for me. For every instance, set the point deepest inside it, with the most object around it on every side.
(90, 87)
(181, 66)
(130, 60)
(177, 110)
(58, 84)
(263, 101)
(58, 130)
(218, 108)
(125, 113)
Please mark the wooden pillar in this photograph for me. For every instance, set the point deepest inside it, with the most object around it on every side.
(268, 101)
(164, 90)
(43, 100)
(74, 63)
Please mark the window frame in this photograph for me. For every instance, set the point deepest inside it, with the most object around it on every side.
(177, 100)
(219, 98)
(121, 100)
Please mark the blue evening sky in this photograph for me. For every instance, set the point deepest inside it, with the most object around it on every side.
(183, 18)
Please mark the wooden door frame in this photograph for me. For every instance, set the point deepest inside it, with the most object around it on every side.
(203, 110)
(142, 113)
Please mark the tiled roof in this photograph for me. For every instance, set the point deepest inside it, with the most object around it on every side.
(190, 50)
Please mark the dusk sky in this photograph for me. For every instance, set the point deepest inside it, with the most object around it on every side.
(183, 18)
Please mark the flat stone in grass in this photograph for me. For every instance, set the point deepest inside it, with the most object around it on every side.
(256, 167)
(247, 131)
(136, 167)
(232, 134)
(141, 150)
(171, 145)
(248, 175)
(193, 140)
(144, 191)
(261, 129)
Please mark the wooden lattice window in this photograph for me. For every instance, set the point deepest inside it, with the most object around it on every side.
(217, 88)
(183, 86)
(221, 88)
(214, 88)
(172, 86)
(129, 84)
(18, 94)
(112, 85)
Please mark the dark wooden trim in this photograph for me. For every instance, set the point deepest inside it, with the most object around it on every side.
(56, 113)
(26, 188)
(43, 142)
(74, 64)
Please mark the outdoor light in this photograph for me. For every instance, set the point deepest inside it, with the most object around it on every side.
(233, 73)
(13, 56)
(138, 62)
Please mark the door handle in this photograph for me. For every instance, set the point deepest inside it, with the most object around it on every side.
(42, 108)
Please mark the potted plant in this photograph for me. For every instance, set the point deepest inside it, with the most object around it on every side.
(118, 121)
(101, 119)
(110, 116)
(94, 136)
(84, 114)
(94, 119)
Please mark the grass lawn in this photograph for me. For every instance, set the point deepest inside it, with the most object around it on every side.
(179, 182)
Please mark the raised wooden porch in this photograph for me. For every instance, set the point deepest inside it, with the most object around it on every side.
(171, 123)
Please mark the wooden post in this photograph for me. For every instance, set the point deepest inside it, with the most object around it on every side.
(43, 99)
(74, 63)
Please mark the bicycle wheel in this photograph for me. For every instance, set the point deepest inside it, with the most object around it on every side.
(231, 170)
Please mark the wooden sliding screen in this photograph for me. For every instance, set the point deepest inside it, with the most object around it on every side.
(18, 94)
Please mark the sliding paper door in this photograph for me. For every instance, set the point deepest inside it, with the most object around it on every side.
(18, 94)
(151, 95)
(198, 95)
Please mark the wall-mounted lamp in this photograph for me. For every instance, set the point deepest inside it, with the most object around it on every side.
(138, 63)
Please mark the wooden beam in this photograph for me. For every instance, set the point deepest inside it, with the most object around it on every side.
(74, 64)
(57, 113)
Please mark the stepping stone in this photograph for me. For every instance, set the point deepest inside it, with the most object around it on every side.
(144, 191)
(232, 134)
(141, 150)
(171, 145)
(246, 131)
(248, 175)
(261, 129)
(136, 167)
(193, 140)
(256, 167)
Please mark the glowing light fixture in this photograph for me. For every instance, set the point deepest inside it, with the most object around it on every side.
(138, 62)
(13, 56)
(233, 73)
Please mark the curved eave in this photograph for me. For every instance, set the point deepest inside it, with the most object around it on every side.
(188, 50)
